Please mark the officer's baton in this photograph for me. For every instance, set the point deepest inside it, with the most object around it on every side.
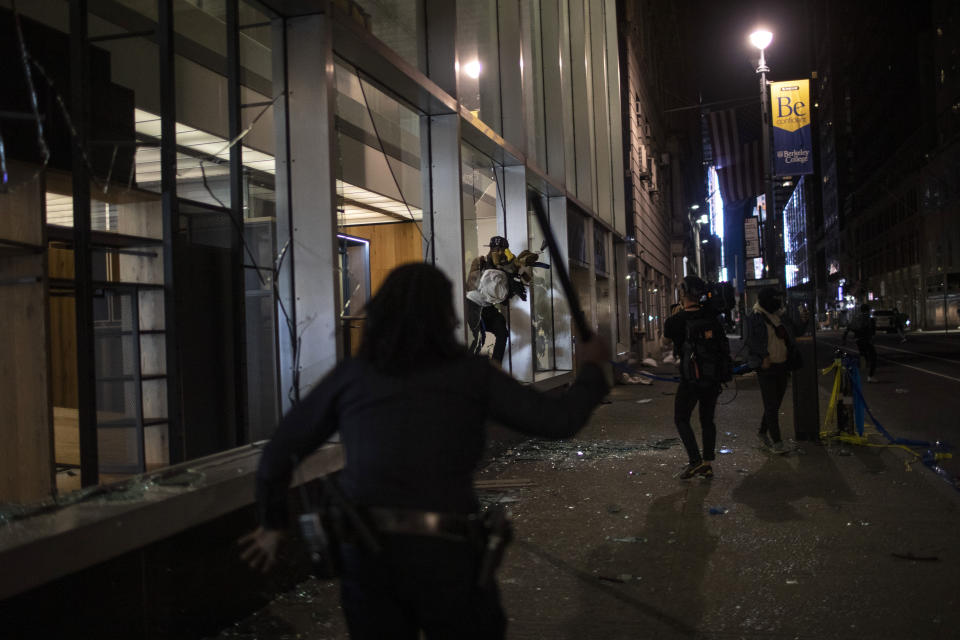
(559, 268)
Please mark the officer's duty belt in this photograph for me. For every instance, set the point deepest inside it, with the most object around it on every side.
(423, 523)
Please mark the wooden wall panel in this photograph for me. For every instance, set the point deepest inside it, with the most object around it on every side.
(26, 420)
(390, 245)
(63, 352)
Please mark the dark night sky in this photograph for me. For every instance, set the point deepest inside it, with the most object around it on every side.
(721, 56)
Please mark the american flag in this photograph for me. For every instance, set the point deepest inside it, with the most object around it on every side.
(735, 137)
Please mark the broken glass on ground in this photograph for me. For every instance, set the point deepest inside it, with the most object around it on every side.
(536, 450)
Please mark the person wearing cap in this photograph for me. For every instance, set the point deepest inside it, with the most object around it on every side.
(704, 353)
(483, 315)
(769, 339)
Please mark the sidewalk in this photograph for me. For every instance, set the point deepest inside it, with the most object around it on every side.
(610, 544)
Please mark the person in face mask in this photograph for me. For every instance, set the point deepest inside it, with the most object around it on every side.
(769, 340)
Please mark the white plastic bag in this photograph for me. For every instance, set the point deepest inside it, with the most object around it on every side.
(493, 287)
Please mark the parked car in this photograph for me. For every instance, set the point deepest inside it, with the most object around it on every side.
(886, 320)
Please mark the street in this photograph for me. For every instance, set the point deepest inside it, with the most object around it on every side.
(819, 543)
(917, 390)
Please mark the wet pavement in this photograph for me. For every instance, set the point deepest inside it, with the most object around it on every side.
(819, 543)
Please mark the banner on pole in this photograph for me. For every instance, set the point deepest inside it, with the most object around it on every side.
(790, 116)
(751, 237)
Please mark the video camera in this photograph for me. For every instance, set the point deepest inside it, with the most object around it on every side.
(718, 296)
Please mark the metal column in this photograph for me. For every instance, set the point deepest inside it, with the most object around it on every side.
(237, 271)
(306, 216)
(443, 227)
(521, 324)
(171, 224)
(83, 265)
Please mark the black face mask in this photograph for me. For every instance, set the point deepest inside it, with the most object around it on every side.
(770, 305)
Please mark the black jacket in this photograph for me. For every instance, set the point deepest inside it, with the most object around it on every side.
(414, 441)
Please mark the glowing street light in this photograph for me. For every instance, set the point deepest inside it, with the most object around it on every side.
(761, 39)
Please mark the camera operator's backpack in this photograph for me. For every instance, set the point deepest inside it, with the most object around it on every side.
(705, 352)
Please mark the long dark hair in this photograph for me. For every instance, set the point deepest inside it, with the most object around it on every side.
(410, 321)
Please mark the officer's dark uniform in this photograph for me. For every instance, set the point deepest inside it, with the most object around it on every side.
(412, 444)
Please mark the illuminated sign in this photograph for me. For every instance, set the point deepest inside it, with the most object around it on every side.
(751, 237)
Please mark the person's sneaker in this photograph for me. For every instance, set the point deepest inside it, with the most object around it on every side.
(706, 470)
(693, 469)
(764, 439)
(779, 448)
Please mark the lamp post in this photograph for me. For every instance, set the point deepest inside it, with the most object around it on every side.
(773, 239)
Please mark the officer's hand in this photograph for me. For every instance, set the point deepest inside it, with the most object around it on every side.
(260, 548)
(766, 363)
(595, 350)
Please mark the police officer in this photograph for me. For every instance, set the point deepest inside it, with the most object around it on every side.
(411, 410)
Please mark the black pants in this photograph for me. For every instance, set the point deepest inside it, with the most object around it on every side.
(773, 384)
(482, 319)
(418, 582)
(868, 351)
(688, 395)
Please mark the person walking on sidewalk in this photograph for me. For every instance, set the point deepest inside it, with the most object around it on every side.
(411, 410)
(864, 329)
(704, 352)
(899, 322)
(769, 341)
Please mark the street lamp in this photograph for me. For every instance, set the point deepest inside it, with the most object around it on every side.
(761, 39)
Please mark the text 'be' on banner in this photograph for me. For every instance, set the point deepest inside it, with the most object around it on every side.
(790, 115)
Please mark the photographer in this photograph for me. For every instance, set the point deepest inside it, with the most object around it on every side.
(411, 410)
(701, 344)
(492, 280)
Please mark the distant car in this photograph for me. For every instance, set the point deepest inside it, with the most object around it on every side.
(886, 320)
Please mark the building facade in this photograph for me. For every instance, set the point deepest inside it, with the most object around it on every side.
(661, 167)
(891, 228)
(200, 196)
